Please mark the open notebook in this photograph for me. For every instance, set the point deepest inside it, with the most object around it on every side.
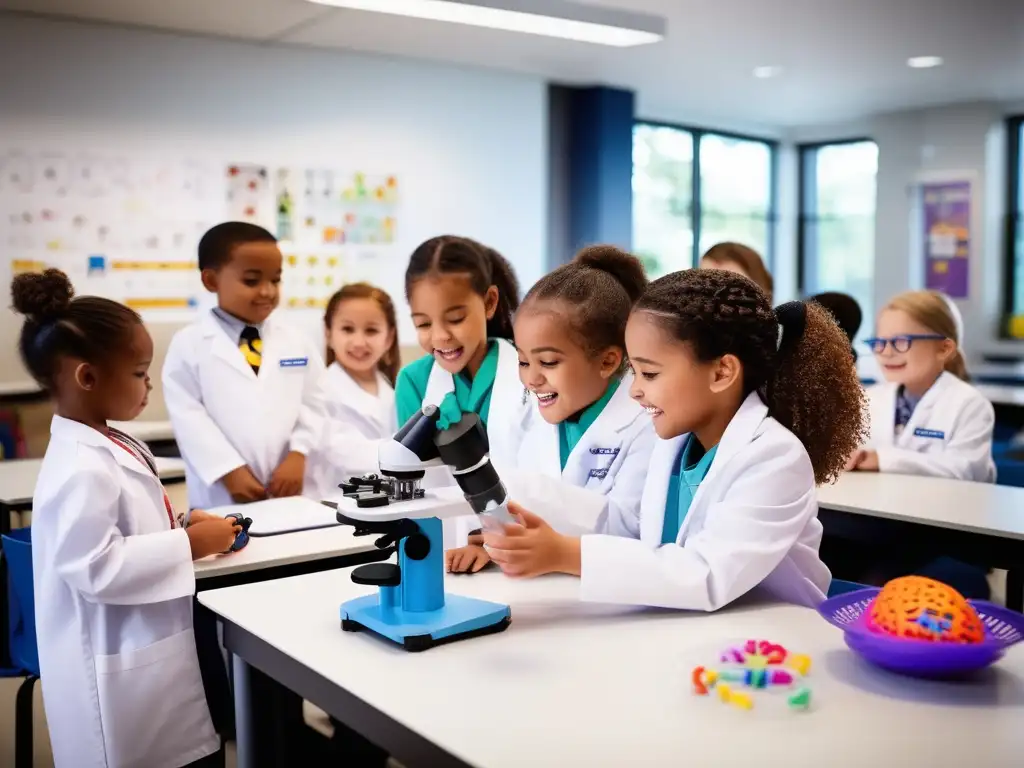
(274, 516)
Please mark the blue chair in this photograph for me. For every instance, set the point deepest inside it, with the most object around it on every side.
(840, 587)
(17, 551)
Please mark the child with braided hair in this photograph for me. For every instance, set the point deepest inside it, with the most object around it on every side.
(754, 407)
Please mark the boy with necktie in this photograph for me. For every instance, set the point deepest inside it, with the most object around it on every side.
(242, 386)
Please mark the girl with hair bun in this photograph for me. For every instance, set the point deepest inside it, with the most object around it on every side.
(754, 407)
(112, 561)
(586, 442)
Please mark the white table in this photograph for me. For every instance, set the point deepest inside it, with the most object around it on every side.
(977, 522)
(146, 431)
(263, 553)
(572, 684)
(18, 480)
(19, 389)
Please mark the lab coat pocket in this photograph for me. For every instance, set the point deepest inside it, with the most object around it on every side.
(152, 704)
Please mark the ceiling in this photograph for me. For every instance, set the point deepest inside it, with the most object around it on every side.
(842, 59)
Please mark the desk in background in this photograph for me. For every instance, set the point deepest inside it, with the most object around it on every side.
(571, 683)
(974, 522)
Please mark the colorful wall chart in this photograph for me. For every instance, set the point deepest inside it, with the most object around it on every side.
(331, 224)
(946, 220)
(122, 227)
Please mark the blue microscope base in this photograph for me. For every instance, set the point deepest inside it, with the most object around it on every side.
(460, 618)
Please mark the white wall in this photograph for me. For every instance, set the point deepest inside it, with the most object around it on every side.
(469, 145)
(913, 145)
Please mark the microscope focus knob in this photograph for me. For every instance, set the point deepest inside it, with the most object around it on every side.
(417, 546)
(378, 575)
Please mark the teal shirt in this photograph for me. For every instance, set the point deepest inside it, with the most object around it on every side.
(690, 470)
(471, 395)
(572, 429)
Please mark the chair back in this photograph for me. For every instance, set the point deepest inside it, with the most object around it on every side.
(17, 549)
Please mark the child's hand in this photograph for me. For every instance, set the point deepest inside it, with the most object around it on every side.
(198, 516)
(468, 559)
(862, 460)
(531, 547)
(213, 536)
(287, 478)
(243, 486)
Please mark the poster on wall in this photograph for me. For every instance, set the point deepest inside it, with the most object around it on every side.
(946, 208)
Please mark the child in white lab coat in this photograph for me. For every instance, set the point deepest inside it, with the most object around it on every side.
(585, 431)
(362, 363)
(925, 418)
(112, 560)
(243, 388)
(754, 408)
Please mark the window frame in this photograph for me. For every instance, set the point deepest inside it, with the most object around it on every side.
(1014, 178)
(771, 215)
(805, 190)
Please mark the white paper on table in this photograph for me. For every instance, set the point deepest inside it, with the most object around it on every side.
(275, 516)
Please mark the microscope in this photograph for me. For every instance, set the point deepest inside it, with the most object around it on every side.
(410, 607)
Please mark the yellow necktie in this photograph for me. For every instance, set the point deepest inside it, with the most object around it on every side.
(252, 347)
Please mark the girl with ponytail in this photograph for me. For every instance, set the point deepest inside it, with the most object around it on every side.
(462, 295)
(754, 407)
(926, 419)
(584, 430)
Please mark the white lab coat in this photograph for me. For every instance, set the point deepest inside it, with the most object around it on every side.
(508, 410)
(948, 435)
(225, 416)
(113, 586)
(753, 521)
(356, 423)
(610, 463)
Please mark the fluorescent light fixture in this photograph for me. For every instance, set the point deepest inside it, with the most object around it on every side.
(924, 62)
(551, 18)
(763, 73)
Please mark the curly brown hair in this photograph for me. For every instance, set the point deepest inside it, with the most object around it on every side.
(809, 382)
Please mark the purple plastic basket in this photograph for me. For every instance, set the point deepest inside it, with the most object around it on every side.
(1003, 628)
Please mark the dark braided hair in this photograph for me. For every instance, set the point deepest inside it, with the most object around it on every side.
(89, 328)
(597, 288)
(809, 381)
(484, 266)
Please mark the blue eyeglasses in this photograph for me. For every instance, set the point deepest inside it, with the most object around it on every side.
(901, 343)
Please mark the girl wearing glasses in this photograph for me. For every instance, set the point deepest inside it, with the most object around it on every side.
(925, 418)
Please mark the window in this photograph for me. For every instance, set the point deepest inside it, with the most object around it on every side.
(663, 198)
(837, 221)
(692, 189)
(1015, 233)
(735, 193)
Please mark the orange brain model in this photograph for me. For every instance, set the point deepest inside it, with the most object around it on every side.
(917, 608)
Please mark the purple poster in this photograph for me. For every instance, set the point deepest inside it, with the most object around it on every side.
(947, 237)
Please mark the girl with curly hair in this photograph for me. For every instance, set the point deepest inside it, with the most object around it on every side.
(754, 408)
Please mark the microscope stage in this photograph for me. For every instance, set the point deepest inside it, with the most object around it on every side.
(442, 503)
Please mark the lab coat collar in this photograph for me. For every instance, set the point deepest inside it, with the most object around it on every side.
(741, 430)
(619, 413)
(883, 409)
(76, 432)
(222, 346)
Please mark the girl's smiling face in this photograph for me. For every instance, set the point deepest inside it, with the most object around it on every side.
(360, 335)
(918, 367)
(563, 376)
(451, 320)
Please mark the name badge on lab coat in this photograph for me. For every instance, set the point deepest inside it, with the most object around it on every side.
(294, 362)
(933, 433)
(605, 451)
(600, 474)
